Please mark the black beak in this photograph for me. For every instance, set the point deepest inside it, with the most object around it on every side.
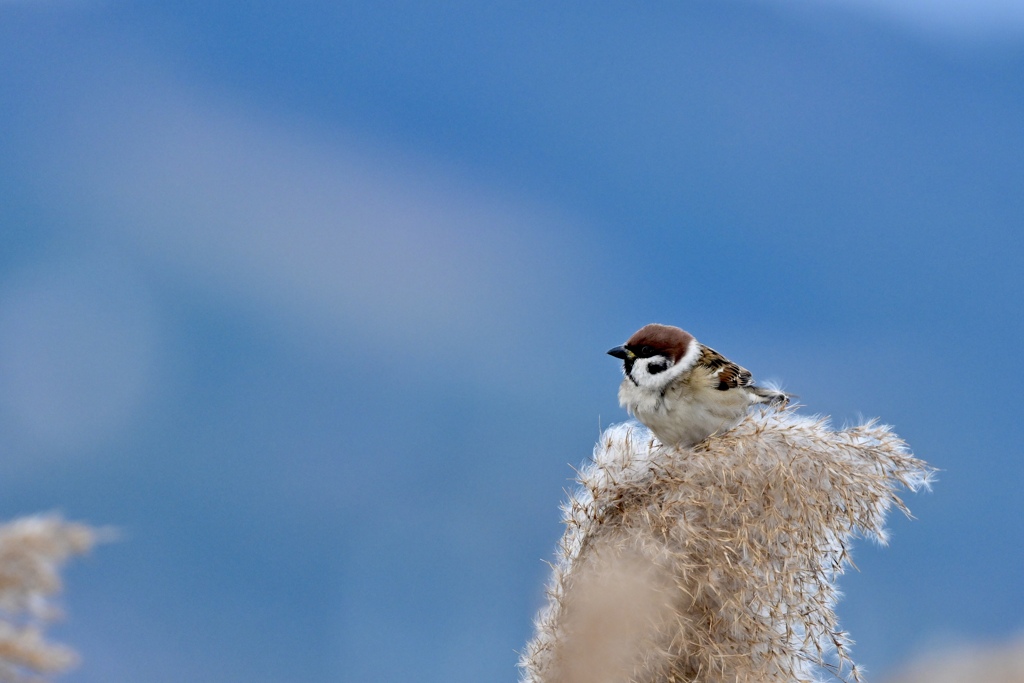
(619, 352)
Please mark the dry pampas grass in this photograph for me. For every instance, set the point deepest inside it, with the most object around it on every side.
(979, 663)
(32, 551)
(715, 563)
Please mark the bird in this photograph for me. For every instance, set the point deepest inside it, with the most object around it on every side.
(682, 390)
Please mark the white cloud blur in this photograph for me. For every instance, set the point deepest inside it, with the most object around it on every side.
(78, 352)
(956, 21)
(326, 232)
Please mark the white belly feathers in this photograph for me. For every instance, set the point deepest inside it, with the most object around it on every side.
(687, 412)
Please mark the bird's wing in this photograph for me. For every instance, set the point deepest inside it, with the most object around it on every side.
(729, 374)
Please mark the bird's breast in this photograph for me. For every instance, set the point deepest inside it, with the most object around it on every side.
(687, 412)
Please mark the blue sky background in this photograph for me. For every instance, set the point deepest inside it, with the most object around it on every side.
(310, 300)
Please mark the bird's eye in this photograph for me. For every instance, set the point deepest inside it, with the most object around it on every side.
(646, 351)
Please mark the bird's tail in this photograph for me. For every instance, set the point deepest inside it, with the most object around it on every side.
(773, 396)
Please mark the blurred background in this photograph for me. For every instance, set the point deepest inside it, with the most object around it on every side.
(311, 299)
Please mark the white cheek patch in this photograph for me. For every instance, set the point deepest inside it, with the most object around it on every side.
(640, 373)
(643, 377)
(689, 358)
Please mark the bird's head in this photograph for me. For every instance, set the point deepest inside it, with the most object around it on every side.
(657, 354)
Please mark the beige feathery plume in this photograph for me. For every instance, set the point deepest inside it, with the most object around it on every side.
(715, 563)
(967, 663)
(32, 551)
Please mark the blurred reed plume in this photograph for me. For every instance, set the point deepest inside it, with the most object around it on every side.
(978, 663)
(715, 563)
(32, 551)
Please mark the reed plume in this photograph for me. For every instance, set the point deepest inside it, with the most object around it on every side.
(718, 562)
(997, 662)
(32, 552)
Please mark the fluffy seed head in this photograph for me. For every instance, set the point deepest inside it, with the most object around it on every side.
(716, 564)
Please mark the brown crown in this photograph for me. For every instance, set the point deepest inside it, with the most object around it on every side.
(670, 341)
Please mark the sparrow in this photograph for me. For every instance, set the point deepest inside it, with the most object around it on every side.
(684, 391)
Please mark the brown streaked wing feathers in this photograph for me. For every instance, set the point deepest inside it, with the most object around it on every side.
(730, 375)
